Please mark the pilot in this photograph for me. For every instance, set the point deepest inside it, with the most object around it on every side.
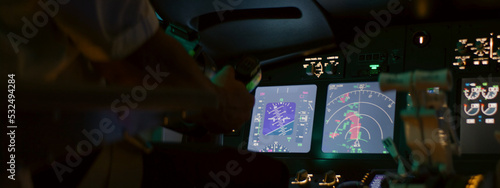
(119, 41)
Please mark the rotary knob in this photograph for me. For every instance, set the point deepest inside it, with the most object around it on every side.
(330, 68)
(303, 178)
(309, 69)
(461, 48)
(461, 62)
(331, 178)
(479, 46)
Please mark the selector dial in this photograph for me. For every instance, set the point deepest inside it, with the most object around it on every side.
(481, 47)
(331, 178)
(461, 48)
(461, 62)
(303, 178)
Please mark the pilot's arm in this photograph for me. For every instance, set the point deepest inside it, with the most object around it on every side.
(123, 36)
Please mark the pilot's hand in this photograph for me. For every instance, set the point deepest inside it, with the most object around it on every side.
(235, 102)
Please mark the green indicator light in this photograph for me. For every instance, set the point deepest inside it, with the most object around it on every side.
(299, 144)
(374, 66)
(485, 83)
(289, 138)
(191, 53)
(281, 99)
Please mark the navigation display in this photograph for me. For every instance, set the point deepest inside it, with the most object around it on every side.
(479, 115)
(358, 117)
(282, 119)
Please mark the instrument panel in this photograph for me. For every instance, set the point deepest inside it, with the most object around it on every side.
(479, 115)
(350, 115)
(358, 117)
(282, 119)
(481, 51)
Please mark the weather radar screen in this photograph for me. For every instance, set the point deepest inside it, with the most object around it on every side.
(358, 117)
(282, 119)
(479, 115)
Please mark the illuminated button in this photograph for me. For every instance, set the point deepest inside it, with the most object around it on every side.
(374, 66)
(421, 38)
(471, 121)
(489, 120)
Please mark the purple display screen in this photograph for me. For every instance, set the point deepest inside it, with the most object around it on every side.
(279, 118)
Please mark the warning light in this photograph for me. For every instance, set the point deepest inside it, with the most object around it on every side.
(374, 66)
